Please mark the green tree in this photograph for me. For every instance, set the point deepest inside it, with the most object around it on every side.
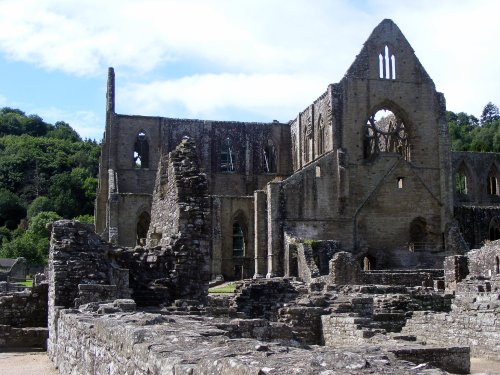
(62, 130)
(39, 223)
(38, 205)
(11, 209)
(490, 113)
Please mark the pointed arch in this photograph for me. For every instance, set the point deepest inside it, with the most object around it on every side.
(492, 180)
(321, 135)
(141, 150)
(463, 180)
(386, 131)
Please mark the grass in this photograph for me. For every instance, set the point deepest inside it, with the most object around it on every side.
(226, 288)
(25, 283)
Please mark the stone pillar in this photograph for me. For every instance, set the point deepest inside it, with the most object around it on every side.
(216, 240)
(260, 217)
(274, 239)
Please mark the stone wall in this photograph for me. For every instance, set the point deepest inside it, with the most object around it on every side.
(263, 298)
(155, 344)
(474, 319)
(23, 318)
(475, 223)
(25, 309)
(476, 167)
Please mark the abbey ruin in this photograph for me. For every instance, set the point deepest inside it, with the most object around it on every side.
(354, 233)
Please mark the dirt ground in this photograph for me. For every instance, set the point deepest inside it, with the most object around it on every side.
(26, 363)
(37, 363)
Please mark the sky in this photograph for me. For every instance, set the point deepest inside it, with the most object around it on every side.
(242, 60)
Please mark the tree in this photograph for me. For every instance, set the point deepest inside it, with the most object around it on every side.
(11, 209)
(38, 205)
(38, 224)
(62, 130)
(490, 114)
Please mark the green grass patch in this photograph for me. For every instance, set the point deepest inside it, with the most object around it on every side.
(226, 288)
(25, 283)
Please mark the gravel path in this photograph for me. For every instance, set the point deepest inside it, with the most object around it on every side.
(26, 363)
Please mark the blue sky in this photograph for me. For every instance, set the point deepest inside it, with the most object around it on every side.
(245, 60)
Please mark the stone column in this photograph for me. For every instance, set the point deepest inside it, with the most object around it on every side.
(274, 239)
(260, 216)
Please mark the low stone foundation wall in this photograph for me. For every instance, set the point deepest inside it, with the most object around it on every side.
(153, 344)
(402, 277)
(29, 337)
(452, 359)
(23, 318)
(480, 330)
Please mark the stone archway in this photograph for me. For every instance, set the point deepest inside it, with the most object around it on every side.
(142, 228)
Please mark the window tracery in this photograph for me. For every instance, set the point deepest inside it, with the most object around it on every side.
(386, 134)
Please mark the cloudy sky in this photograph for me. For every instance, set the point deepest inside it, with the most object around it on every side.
(246, 60)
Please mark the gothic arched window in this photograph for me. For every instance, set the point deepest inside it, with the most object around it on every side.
(385, 132)
(238, 240)
(321, 136)
(141, 151)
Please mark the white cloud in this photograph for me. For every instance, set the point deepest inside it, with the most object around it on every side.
(255, 43)
(86, 123)
(268, 96)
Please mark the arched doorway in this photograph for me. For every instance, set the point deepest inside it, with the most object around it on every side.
(418, 234)
(142, 228)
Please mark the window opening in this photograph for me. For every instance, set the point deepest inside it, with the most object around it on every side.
(318, 171)
(461, 183)
(141, 151)
(238, 241)
(387, 64)
(491, 184)
(386, 132)
(227, 159)
(269, 158)
(380, 66)
(321, 136)
(400, 182)
(393, 65)
(366, 264)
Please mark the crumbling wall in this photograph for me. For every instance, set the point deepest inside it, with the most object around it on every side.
(23, 318)
(180, 223)
(474, 319)
(474, 222)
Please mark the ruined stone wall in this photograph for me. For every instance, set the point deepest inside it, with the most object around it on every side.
(152, 344)
(25, 309)
(180, 222)
(374, 206)
(475, 223)
(252, 146)
(476, 167)
(227, 213)
(474, 317)
(23, 318)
